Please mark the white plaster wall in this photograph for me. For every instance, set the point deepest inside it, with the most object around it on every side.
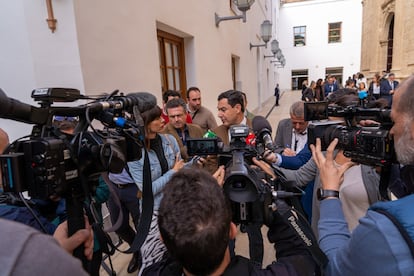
(129, 60)
(102, 45)
(318, 54)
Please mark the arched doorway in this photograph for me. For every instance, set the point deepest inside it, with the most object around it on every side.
(390, 40)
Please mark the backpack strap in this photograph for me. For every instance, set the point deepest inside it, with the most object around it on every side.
(400, 228)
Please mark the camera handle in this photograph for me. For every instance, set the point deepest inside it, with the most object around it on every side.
(76, 220)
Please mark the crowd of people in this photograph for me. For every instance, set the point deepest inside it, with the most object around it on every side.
(378, 87)
(191, 229)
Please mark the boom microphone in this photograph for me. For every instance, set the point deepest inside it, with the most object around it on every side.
(263, 131)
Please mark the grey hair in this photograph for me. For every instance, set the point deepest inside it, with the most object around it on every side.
(297, 109)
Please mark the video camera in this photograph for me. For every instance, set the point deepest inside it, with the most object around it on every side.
(51, 164)
(251, 193)
(369, 145)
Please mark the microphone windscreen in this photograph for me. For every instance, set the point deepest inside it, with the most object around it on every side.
(259, 123)
(143, 100)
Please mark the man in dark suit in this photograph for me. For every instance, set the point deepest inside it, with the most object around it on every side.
(178, 127)
(387, 88)
(291, 134)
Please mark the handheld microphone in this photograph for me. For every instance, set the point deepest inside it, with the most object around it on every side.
(263, 131)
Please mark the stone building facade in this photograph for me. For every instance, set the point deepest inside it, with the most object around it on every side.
(387, 37)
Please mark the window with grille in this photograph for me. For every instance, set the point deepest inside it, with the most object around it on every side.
(299, 36)
(172, 69)
(334, 33)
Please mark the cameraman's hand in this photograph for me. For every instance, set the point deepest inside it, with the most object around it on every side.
(265, 167)
(82, 236)
(179, 163)
(331, 174)
(219, 175)
(366, 123)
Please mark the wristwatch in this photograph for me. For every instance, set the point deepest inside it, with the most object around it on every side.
(322, 194)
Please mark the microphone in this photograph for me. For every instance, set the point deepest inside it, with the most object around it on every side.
(263, 131)
(143, 100)
(15, 110)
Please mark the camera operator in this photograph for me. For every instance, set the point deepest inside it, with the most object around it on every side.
(382, 244)
(21, 245)
(195, 225)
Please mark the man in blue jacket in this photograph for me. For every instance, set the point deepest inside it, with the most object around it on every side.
(382, 244)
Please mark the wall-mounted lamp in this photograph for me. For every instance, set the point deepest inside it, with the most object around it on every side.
(281, 63)
(51, 21)
(274, 47)
(242, 5)
(265, 34)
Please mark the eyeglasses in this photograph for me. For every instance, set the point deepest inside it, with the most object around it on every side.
(65, 118)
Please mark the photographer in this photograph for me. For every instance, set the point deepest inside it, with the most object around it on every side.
(382, 244)
(195, 225)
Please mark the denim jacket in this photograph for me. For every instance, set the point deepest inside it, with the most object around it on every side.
(170, 147)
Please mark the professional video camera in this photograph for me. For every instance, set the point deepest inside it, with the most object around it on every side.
(49, 164)
(370, 145)
(251, 193)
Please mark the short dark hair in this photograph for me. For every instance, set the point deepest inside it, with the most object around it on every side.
(170, 93)
(176, 103)
(192, 88)
(233, 97)
(194, 220)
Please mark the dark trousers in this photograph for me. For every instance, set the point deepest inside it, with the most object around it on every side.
(277, 99)
(129, 205)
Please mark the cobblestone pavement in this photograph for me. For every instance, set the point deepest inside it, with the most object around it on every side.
(120, 261)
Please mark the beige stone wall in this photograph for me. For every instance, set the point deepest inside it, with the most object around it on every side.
(377, 16)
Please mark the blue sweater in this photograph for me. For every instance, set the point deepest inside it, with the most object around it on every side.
(375, 247)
